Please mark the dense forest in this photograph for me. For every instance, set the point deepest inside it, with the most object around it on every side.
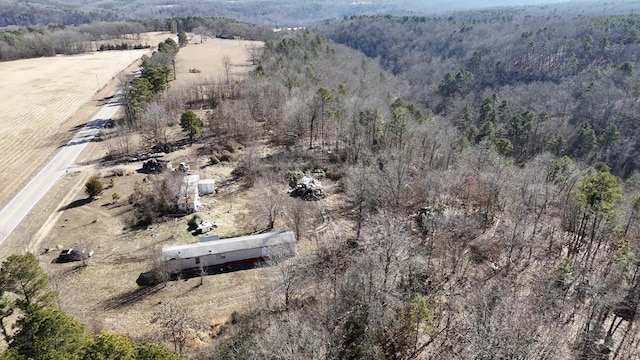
(458, 249)
(281, 12)
(43, 14)
(486, 166)
(523, 84)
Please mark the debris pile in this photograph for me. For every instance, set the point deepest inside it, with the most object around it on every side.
(76, 253)
(154, 165)
(183, 167)
(308, 188)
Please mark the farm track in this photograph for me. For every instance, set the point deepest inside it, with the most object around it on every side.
(326, 221)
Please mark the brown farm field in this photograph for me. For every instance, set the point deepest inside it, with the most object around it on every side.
(208, 58)
(104, 294)
(43, 100)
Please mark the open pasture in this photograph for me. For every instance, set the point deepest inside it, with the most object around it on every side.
(208, 58)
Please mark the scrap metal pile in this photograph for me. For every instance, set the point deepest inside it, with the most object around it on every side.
(308, 188)
(157, 166)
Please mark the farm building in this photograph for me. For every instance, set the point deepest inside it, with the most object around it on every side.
(206, 186)
(189, 199)
(228, 252)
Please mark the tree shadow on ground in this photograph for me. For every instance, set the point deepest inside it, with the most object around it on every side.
(130, 297)
(75, 204)
(71, 270)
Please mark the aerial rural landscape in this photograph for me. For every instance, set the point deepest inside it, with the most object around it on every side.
(319, 180)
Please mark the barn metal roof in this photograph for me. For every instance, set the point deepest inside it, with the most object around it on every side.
(228, 245)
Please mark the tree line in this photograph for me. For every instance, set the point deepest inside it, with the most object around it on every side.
(38, 41)
(30, 42)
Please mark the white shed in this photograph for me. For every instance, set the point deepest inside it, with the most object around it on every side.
(206, 186)
(228, 252)
(189, 199)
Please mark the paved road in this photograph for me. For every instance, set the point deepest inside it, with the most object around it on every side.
(35, 190)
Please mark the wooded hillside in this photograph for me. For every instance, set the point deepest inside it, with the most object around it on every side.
(523, 84)
(486, 197)
(474, 244)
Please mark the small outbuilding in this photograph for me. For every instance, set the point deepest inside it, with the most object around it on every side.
(205, 227)
(206, 186)
(228, 252)
(188, 198)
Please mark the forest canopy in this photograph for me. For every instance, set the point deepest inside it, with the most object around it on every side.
(523, 84)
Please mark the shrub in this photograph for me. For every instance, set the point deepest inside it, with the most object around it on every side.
(153, 205)
(94, 187)
(293, 176)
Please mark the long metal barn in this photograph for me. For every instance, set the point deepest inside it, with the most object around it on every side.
(228, 252)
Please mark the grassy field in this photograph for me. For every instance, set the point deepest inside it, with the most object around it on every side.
(208, 58)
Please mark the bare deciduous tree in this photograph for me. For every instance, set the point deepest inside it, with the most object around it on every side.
(298, 216)
(270, 204)
(226, 64)
(176, 324)
(254, 52)
(155, 124)
(291, 274)
(291, 336)
(360, 189)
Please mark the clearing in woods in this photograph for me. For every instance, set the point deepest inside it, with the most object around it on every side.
(208, 58)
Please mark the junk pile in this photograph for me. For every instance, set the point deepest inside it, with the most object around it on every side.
(308, 188)
(76, 253)
(157, 166)
(205, 227)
